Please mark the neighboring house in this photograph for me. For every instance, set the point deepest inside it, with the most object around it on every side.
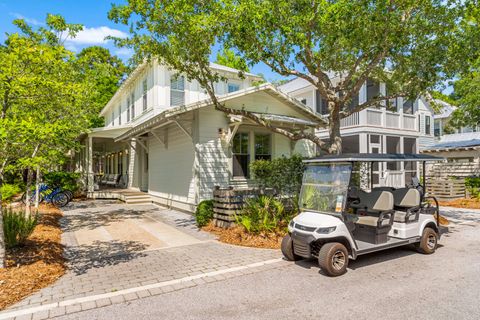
(398, 127)
(163, 135)
(442, 118)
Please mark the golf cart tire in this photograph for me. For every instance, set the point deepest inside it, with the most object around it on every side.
(287, 249)
(425, 245)
(330, 257)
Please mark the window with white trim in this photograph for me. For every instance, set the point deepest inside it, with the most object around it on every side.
(232, 87)
(119, 114)
(128, 109)
(263, 149)
(144, 97)
(132, 105)
(177, 90)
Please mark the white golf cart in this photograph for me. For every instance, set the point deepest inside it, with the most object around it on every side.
(339, 221)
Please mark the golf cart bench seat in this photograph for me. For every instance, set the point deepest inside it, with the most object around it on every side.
(374, 226)
(407, 204)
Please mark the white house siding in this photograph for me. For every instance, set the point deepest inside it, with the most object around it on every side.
(425, 140)
(212, 155)
(171, 170)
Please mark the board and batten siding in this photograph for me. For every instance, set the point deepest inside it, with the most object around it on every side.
(212, 155)
(172, 170)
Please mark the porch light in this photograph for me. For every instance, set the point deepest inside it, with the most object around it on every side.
(222, 134)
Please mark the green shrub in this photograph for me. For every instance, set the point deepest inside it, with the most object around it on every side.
(283, 175)
(17, 226)
(62, 179)
(9, 190)
(204, 213)
(473, 186)
(263, 214)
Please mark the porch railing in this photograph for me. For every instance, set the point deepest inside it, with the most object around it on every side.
(381, 118)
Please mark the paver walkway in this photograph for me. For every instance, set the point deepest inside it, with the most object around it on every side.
(154, 251)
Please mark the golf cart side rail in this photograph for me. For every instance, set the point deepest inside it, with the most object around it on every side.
(369, 157)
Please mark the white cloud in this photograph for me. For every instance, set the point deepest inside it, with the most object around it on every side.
(96, 36)
(35, 22)
(124, 52)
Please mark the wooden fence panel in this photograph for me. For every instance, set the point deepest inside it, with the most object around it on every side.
(446, 189)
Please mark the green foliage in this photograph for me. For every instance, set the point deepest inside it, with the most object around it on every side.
(263, 215)
(62, 179)
(473, 186)
(204, 213)
(9, 190)
(412, 46)
(228, 58)
(17, 226)
(283, 175)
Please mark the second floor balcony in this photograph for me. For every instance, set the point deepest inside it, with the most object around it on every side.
(381, 118)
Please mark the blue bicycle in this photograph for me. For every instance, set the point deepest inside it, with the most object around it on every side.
(55, 196)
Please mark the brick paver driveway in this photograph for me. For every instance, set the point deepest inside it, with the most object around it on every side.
(118, 252)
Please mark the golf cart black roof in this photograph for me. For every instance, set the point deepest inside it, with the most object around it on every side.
(374, 157)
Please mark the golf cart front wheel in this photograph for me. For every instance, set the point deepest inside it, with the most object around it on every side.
(333, 259)
(428, 242)
(287, 249)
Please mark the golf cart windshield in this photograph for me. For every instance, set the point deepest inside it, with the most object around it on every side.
(325, 186)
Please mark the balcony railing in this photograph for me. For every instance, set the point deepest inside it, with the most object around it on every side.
(381, 118)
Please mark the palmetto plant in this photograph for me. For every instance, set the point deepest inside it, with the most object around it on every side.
(261, 215)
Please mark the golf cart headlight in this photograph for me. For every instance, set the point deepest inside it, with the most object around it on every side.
(291, 224)
(326, 230)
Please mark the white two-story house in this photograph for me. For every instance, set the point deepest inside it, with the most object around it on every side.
(163, 136)
(397, 127)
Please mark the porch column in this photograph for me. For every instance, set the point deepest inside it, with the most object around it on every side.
(131, 162)
(90, 181)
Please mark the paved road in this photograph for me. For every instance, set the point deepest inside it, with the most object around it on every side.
(397, 284)
(400, 284)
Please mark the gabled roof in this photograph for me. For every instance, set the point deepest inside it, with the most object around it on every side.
(172, 113)
(138, 70)
(446, 109)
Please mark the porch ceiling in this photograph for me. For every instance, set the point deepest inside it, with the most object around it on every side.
(110, 133)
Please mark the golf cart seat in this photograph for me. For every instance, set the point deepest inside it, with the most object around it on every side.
(407, 204)
(374, 226)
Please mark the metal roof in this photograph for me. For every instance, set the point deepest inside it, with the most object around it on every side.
(454, 145)
(374, 157)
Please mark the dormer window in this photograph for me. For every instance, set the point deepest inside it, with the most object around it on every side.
(373, 89)
(232, 87)
(177, 90)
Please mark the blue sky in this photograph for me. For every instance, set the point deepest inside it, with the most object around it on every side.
(91, 13)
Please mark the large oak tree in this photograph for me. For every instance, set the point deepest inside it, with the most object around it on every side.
(334, 45)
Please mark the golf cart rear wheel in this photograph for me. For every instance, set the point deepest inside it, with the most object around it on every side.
(287, 249)
(333, 259)
(428, 242)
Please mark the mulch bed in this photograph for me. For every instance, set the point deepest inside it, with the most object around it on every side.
(35, 265)
(238, 236)
(462, 203)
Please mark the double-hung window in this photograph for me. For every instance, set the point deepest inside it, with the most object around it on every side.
(132, 105)
(428, 125)
(177, 90)
(144, 97)
(128, 109)
(241, 154)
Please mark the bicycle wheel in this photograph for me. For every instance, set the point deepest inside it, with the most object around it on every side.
(69, 194)
(32, 198)
(60, 199)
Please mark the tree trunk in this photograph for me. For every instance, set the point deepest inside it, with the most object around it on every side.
(27, 191)
(334, 128)
(37, 187)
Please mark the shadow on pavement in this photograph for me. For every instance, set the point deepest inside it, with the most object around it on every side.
(101, 254)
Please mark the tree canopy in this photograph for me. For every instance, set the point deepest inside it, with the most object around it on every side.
(334, 45)
(228, 58)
